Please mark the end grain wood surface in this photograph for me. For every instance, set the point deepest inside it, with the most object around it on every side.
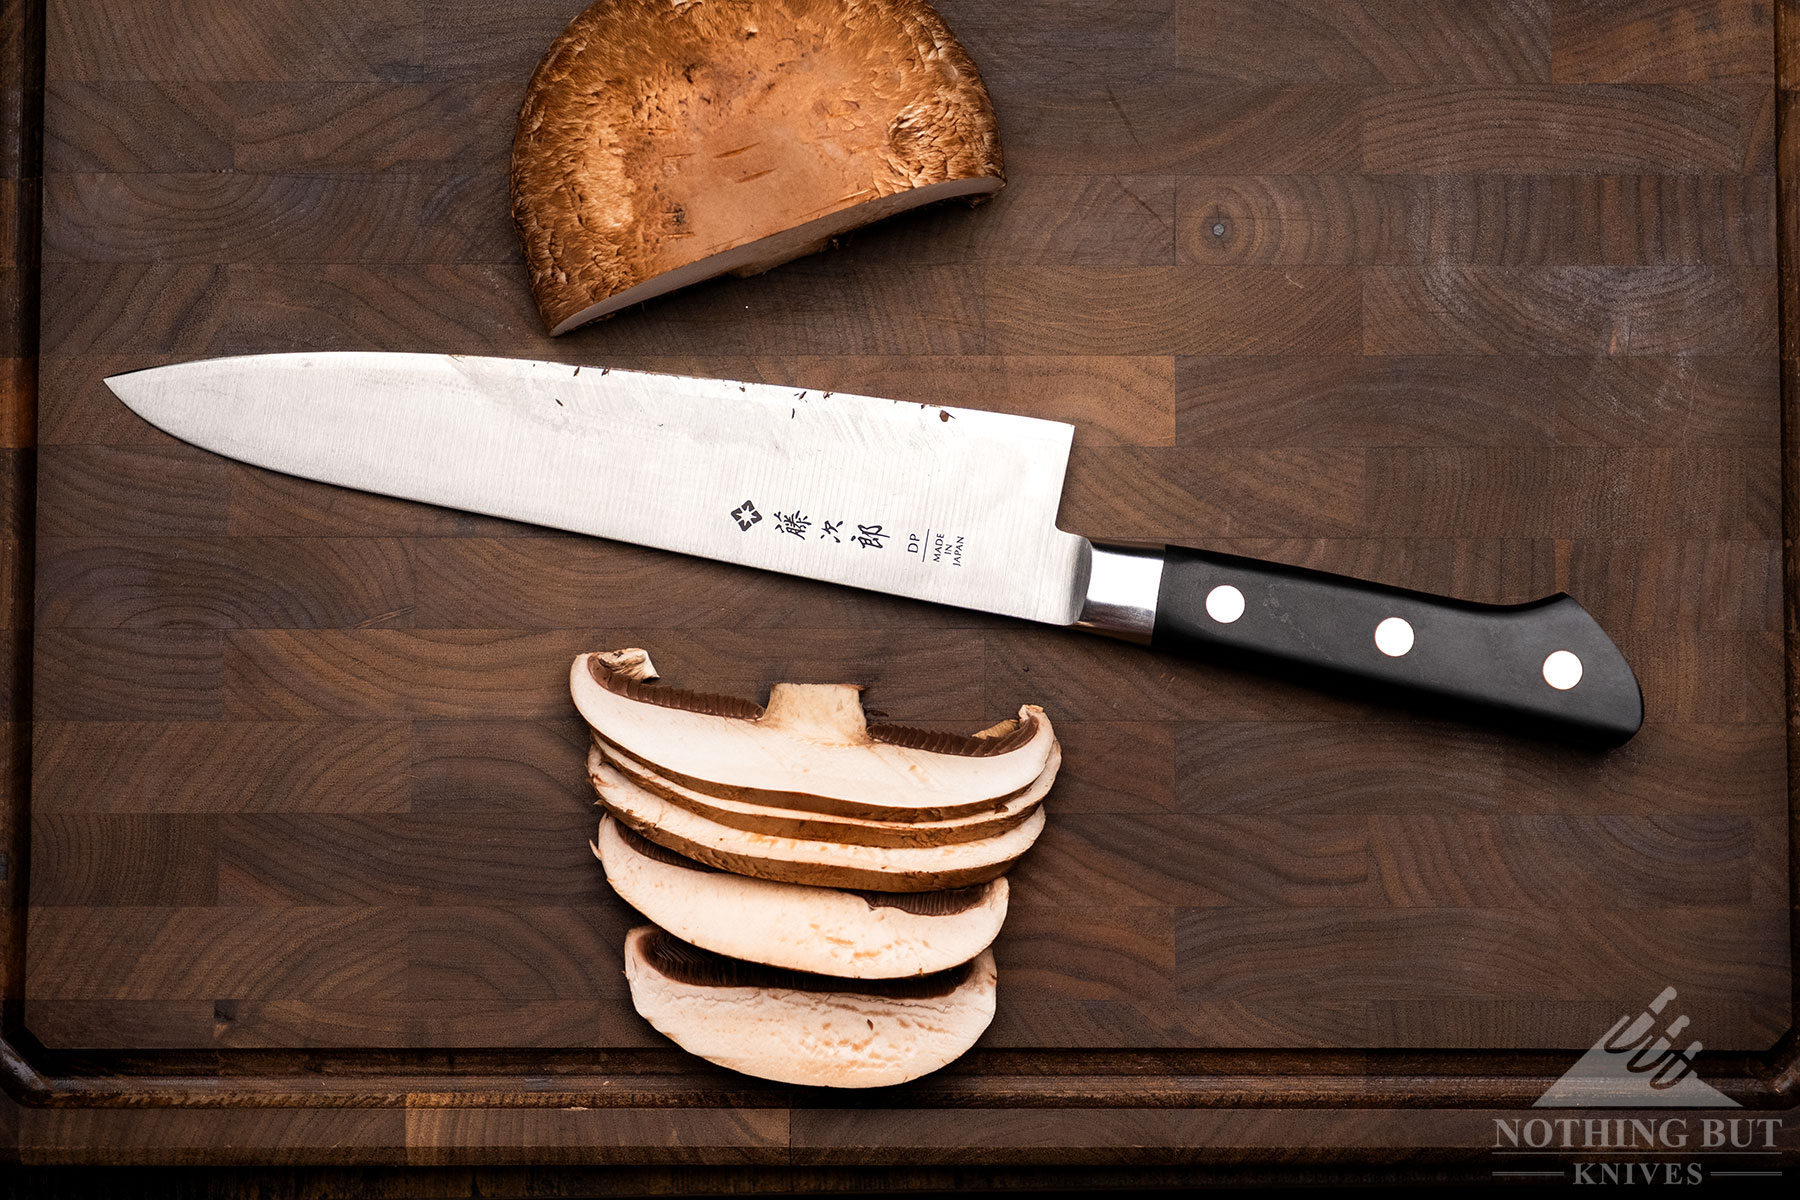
(1479, 298)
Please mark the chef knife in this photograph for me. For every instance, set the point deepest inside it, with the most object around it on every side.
(951, 505)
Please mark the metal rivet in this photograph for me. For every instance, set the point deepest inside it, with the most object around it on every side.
(1219, 229)
(1394, 637)
(1562, 670)
(1224, 604)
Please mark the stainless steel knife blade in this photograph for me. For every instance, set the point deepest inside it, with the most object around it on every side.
(952, 505)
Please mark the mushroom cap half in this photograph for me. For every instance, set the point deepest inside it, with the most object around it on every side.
(662, 142)
(810, 749)
(863, 935)
(795, 860)
(793, 1027)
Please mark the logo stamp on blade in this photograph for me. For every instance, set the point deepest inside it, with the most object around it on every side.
(745, 515)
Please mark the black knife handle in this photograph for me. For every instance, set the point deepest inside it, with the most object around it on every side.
(1496, 663)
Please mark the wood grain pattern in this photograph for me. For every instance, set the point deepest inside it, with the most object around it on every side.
(169, 1136)
(1657, 42)
(449, 1135)
(478, 674)
(415, 859)
(1483, 400)
(314, 218)
(1481, 220)
(1390, 41)
(274, 583)
(1482, 297)
(1561, 310)
(163, 765)
(261, 39)
(109, 860)
(206, 953)
(1573, 128)
(1142, 311)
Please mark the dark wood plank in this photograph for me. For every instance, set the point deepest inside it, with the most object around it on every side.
(1113, 766)
(1565, 310)
(208, 953)
(1176, 860)
(1131, 494)
(1333, 954)
(169, 1136)
(1289, 401)
(1567, 492)
(483, 674)
(493, 766)
(192, 311)
(1410, 768)
(1114, 1137)
(1038, 220)
(1567, 128)
(109, 860)
(475, 39)
(373, 127)
(477, 308)
(162, 765)
(421, 858)
(1654, 41)
(68, 1024)
(260, 39)
(1144, 120)
(1180, 310)
(225, 217)
(440, 1024)
(1556, 862)
(127, 675)
(137, 127)
(455, 1135)
(1482, 220)
(162, 489)
(224, 583)
(572, 953)
(1389, 41)
(1711, 585)
(1709, 678)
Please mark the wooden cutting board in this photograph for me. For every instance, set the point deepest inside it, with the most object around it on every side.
(1478, 298)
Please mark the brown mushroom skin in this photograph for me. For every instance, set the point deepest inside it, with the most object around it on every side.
(810, 749)
(661, 142)
(820, 864)
(1002, 814)
(826, 931)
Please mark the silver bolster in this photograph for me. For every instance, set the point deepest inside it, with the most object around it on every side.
(1121, 593)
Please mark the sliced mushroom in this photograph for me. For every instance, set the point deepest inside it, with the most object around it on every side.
(819, 827)
(662, 142)
(810, 749)
(793, 1027)
(858, 935)
(793, 860)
